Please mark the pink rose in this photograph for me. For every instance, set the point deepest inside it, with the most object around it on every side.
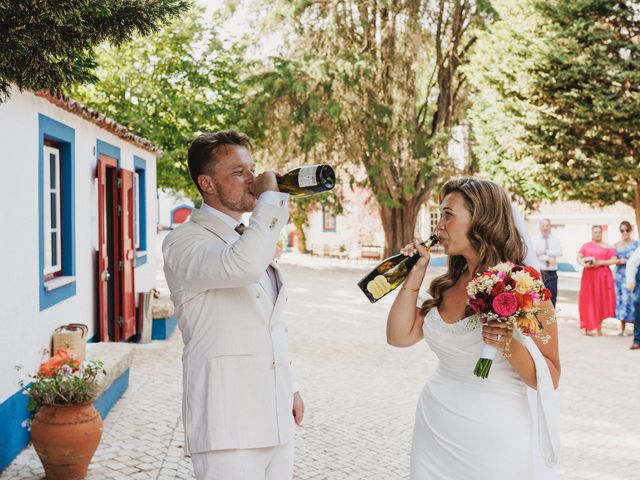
(505, 304)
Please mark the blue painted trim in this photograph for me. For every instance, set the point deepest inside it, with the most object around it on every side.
(109, 150)
(141, 260)
(94, 339)
(162, 328)
(140, 167)
(111, 395)
(15, 437)
(65, 135)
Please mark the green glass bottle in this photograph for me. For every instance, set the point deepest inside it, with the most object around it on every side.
(307, 180)
(390, 274)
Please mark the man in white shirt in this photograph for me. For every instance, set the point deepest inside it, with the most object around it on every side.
(240, 397)
(633, 284)
(548, 249)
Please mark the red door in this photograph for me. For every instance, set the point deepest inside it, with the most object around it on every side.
(127, 249)
(108, 278)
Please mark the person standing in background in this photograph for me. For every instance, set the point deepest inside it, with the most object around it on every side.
(624, 298)
(548, 250)
(633, 285)
(597, 298)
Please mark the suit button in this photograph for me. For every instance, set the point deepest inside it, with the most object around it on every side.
(258, 295)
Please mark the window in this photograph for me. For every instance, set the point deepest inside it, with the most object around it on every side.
(51, 213)
(140, 210)
(328, 218)
(56, 211)
(433, 221)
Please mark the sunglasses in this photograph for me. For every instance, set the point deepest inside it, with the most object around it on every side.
(624, 230)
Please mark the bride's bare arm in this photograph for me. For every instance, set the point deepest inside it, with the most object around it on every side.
(520, 358)
(404, 322)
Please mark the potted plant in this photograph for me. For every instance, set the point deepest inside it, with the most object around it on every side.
(65, 426)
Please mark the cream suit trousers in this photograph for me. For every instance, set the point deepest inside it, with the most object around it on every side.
(269, 463)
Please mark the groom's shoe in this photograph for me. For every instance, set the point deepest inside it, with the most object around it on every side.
(635, 346)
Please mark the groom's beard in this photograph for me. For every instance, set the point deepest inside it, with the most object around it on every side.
(234, 200)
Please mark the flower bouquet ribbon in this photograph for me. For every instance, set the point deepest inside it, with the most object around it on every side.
(507, 293)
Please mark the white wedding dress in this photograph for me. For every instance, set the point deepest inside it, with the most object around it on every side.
(468, 428)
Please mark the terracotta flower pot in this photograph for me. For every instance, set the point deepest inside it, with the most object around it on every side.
(65, 438)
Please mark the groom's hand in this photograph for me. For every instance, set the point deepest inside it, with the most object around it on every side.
(298, 408)
(266, 181)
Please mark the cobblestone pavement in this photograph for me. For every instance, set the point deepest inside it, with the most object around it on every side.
(360, 393)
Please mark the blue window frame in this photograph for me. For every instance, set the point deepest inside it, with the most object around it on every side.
(56, 212)
(140, 209)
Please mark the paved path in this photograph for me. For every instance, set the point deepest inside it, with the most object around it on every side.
(360, 394)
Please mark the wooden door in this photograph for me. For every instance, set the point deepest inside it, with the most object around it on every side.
(127, 258)
(108, 298)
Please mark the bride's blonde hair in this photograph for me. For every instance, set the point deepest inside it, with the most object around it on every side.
(493, 233)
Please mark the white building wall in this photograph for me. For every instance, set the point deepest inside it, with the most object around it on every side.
(25, 329)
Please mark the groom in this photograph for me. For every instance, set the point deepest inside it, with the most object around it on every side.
(240, 398)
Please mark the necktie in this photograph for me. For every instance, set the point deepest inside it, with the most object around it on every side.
(240, 228)
(546, 247)
(270, 271)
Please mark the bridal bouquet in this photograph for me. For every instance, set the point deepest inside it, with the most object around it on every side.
(507, 293)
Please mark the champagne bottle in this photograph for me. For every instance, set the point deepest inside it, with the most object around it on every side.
(390, 273)
(308, 180)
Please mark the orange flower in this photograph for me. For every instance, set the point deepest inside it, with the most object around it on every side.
(528, 325)
(525, 302)
(64, 356)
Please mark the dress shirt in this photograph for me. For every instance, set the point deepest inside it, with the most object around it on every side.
(552, 249)
(278, 199)
(633, 263)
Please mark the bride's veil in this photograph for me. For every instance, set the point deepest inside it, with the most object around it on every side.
(540, 468)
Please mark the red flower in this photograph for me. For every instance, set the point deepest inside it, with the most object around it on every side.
(497, 289)
(478, 305)
(546, 294)
(505, 304)
(535, 274)
(517, 268)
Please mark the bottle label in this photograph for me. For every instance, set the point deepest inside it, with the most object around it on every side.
(379, 287)
(307, 177)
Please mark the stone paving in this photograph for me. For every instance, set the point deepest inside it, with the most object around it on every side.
(360, 393)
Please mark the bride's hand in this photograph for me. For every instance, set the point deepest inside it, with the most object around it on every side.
(411, 249)
(497, 334)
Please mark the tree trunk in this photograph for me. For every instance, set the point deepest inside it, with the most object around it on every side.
(302, 238)
(399, 226)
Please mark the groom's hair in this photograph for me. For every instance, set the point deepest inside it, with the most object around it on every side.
(202, 156)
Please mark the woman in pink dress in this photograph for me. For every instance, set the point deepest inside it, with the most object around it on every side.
(597, 299)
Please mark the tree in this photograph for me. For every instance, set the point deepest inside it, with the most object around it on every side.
(377, 83)
(500, 106)
(586, 91)
(48, 45)
(170, 87)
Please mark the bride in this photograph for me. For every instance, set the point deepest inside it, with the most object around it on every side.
(468, 428)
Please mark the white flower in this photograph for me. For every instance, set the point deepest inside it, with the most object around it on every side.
(66, 370)
(502, 267)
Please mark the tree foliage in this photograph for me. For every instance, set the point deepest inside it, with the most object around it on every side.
(171, 87)
(379, 84)
(500, 106)
(49, 45)
(586, 93)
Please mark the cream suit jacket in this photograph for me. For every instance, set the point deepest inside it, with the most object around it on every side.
(237, 379)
